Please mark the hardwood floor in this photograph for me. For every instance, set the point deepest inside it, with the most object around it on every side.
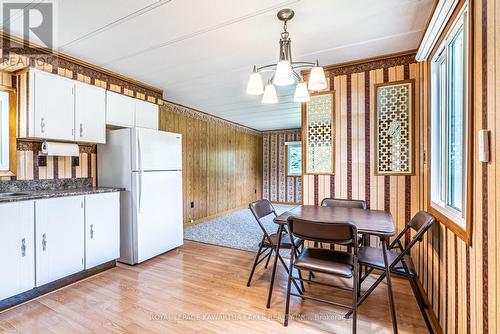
(200, 288)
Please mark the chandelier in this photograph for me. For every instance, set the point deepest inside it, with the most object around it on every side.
(286, 72)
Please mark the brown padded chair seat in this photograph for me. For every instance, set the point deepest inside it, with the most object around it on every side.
(374, 257)
(285, 241)
(326, 260)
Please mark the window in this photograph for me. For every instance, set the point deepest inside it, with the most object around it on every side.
(4, 131)
(449, 124)
(7, 131)
(294, 158)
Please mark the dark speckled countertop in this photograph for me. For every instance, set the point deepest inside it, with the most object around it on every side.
(38, 189)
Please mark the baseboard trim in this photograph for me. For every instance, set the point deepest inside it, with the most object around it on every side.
(287, 203)
(52, 286)
(216, 215)
(430, 311)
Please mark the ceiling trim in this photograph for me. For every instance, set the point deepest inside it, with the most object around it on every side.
(79, 62)
(369, 61)
(368, 64)
(169, 106)
(270, 132)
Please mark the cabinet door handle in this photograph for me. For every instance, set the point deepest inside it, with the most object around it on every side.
(44, 242)
(23, 247)
(91, 231)
(42, 125)
(81, 130)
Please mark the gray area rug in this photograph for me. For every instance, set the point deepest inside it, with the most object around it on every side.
(237, 230)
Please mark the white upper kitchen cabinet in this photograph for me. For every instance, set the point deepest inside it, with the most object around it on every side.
(120, 109)
(52, 106)
(90, 113)
(17, 248)
(59, 237)
(146, 115)
(102, 228)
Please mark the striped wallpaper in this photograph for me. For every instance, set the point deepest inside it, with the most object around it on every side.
(276, 186)
(354, 120)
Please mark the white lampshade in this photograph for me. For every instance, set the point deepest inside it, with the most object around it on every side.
(255, 85)
(270, 94)
(284, 74)
(317, 80)
(301, 92)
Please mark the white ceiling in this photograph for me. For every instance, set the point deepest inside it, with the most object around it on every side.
(200, 52)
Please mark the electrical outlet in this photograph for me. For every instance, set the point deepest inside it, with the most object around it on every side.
(75, 161)
(42, 161)
(192, 205)
(255, 190)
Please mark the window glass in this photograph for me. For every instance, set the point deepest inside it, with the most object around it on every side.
(455, 122)
(294, 159)
(4, 131)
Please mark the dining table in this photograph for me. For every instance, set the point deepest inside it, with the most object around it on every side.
(378, 223)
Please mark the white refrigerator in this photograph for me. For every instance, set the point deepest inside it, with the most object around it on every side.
(148, 165)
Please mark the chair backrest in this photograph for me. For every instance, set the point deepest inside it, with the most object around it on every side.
(344, 203)
(342, 233)
(260, 209)
(420, 223)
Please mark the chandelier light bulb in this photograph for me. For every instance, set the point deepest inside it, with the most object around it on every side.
(285, 71)
(255, 85)
(284, 74)
(317, 80)
(269, 94)
(301, 92)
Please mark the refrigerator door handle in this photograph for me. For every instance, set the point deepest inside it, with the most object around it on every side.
(139, 152)
(139, 156)
(140, 192)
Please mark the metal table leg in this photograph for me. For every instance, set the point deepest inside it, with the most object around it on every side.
(389, 287)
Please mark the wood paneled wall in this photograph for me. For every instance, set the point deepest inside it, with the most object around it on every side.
(276, 185)
(222, 162)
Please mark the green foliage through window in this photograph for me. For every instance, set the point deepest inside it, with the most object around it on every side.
(294, 160)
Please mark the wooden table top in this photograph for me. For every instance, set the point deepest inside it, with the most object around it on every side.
(374, 222)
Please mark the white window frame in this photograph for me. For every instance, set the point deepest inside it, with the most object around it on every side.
(438, 170)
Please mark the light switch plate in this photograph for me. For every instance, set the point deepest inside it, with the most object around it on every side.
(484, 145)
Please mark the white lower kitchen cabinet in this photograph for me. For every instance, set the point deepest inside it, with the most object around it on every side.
(17, 248)
(59, 235)
(102, 228)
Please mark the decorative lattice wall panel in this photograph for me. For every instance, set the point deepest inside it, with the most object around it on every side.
(394, 128)
(319, 134)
